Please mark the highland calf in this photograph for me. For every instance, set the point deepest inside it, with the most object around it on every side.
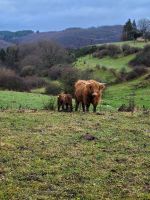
(64, 101)
(88, 92)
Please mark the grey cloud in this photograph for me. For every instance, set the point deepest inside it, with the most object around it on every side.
(59, 14)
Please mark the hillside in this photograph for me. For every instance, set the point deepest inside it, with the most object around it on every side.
(12, 36)
(72, 37)
(47, 154)
(115, 63)
(4, 44)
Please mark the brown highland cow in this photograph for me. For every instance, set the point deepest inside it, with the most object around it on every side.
(88, 92)
(64, 101)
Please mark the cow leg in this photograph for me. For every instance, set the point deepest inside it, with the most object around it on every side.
(67, 107)
(94, 108)
(63, 108)
(77, 106)
(58, 107)
(87, 107)
(83, 107)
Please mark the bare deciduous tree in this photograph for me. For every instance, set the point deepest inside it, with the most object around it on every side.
(144, 26)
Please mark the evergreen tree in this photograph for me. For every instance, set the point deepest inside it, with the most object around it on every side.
(135, 31)
(128, 30)
(134, 26)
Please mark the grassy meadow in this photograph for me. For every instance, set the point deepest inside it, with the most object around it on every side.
(45, 156)
(23, 100)
(113, 97)
(89, 62)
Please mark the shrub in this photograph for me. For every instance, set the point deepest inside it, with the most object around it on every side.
(113, 50)
(54, 88)
(107, 50)
(102, 47)
(143, 58)
(55, 72)
(127, 50)
(28, 70)
(101, 54)
(86, 74)
(137, 72)
(104, 68)
(35, 82)
(69, 76)
(98, 67)
(85, 51)
(11, 81)
(51, 105)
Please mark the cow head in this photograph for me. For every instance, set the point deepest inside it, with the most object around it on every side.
(95, 89)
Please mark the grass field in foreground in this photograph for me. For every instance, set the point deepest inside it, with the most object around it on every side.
(43, 156)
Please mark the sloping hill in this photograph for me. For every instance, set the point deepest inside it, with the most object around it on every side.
(116, 63)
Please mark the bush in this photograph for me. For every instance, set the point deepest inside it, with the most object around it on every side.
(28, 70)
(85, 51)
(86, 74)
(101, 54)
(11, 81)
(55, 72)
(54, 88)
(143, 58)
(137, 72)
(107, 50)
(51, 105)
(69, 76)
(35, 82)
(113, 50)
(102, 47)
(127, 50)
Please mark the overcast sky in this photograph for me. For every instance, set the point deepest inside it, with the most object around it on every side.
(47, 15)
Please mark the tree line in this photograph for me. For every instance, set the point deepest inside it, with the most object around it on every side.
(133, 30)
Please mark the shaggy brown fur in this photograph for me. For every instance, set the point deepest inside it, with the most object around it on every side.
(64, 101)
(88, 92)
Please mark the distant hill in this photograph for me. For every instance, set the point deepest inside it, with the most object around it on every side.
(10, 36)
(72, 37)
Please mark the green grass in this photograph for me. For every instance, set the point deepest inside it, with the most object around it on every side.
(113, 97)
(120, 94)
(38, 90)
(43, 156)
(131, 43)
(116, 63)
(22, 100)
